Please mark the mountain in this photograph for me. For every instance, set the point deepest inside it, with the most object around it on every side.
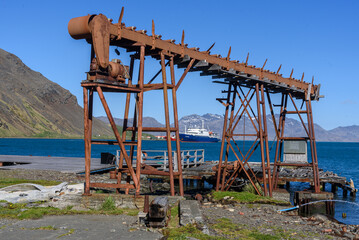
(293, 127)
(33, 106)
(350, 133)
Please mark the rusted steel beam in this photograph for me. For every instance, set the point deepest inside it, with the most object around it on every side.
(111, 88)
(85, 27)
(279, 144)
(185, 73)
(218, 186)
(261, 139)
(229, 134)
(141, 77)
(240, 67)
(167, 118)
(265, 131)
(175, 117)
(157, 86)
(125, 119)
(87, 145)
(313, 147)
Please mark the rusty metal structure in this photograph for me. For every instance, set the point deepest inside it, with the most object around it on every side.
(112, 76)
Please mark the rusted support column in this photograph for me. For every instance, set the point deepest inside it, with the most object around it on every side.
(230, 134)
(167, 117)
(219, 170)
(140, 116)
(87, 143)
(279, 144)
(185, 73)
(313, 147)
(125, 119)
(175, 117)
(268, 170)
(261, 139)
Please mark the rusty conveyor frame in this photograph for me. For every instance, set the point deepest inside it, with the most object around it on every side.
(97, 30)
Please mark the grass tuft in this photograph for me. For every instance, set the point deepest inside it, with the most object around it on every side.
(21, 211)
(246, 197)
(109, 204)
(4, 182)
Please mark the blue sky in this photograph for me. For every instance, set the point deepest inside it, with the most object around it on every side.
(319, 38)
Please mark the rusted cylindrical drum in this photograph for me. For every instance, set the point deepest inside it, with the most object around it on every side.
(116, 69)
(79, 27)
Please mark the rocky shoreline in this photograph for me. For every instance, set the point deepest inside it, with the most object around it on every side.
(264, 218)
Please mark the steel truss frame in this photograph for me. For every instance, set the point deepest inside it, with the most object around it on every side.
(280, 136)
(101, 33)
(127, 160)
(228, 172)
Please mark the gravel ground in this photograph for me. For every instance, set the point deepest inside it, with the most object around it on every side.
(92, 227)
(266, 219)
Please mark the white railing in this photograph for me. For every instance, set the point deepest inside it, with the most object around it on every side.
(159, 158)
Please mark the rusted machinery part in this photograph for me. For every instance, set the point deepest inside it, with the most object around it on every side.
(117, 70)
(96, 28)
(79, 27)
(100, 29)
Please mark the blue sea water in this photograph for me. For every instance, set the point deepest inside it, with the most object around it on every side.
(341, 158)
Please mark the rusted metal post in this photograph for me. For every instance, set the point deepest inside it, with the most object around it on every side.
(281, 122)
(87, 144)
(140, 116)
(167, 117)
(313, 147)
(268, 170)
(261, 140)
(125, 119)
(175, 116)
(219, 170)
(230, 134)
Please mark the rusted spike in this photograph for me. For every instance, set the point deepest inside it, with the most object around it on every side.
(153, 28)
(302, 78)
(291, 74)
(182, 39)
(209, 49)
(279, 69)
(264, 63)
(246, 63)
(182, 44)
(229, 53)
(121, 16)
(312, 80)
(119, 24)
(153, 35)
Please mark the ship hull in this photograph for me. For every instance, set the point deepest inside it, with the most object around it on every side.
(191, 138)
